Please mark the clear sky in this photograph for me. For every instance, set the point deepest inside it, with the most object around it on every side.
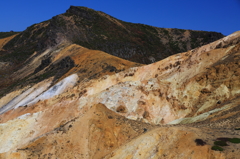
(208, 15)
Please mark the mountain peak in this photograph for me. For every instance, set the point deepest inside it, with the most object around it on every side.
(100, 31)
(79, 10)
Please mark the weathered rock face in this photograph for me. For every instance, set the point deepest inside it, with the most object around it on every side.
(172, 88)
(99, 31)
(62, 61)
(60, 116)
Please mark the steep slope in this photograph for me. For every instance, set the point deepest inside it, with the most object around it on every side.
(199, 88)
(177, 87)
(171, 90)
(57, 63)
(99, 31)
(5, 37)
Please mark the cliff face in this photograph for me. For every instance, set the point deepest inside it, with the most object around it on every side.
(99, 31)
(101, 106)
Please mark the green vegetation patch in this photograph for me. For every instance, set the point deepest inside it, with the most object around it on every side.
(217, 148)
(220, 143)
(234, 140)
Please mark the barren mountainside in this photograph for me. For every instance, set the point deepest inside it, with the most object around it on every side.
(67, 98)
(96, 30)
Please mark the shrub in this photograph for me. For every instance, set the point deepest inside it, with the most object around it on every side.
(234, 140)
(200, 142)
(217, 148)
(220, 143)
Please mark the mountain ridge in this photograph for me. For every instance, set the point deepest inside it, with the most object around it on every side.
(98, 31)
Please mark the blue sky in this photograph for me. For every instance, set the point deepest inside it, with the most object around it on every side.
(209, 15)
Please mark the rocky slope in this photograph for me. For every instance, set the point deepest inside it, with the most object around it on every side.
(5, 37)
(72, 102)
(93, 30)
(104, 131)
(99, 31)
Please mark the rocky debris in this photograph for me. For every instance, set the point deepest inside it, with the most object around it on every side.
(165, 143)
(178, 87)
(101, 106)
(94, 135)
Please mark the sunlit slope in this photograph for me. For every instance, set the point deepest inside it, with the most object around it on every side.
(199, 88)
(157, 93)
(185, 85)
(94, 135)
(3, 41)
(46, 69)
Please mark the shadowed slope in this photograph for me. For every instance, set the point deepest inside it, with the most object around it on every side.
(59, 63)
(99, 31)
